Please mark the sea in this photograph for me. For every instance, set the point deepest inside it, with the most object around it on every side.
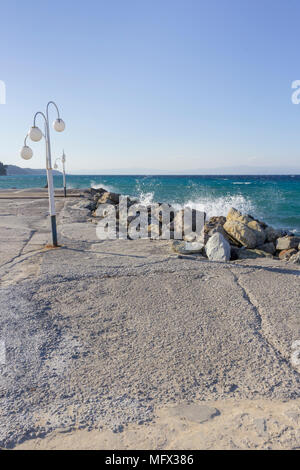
(273, 199)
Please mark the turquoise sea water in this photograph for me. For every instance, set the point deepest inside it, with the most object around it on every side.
(274, 199)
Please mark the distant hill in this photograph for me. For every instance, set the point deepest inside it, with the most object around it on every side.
(14, 170)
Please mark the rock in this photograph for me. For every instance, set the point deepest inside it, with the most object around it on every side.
(287, 242)
(272, 234)
(235, 215)
(241, 232)
(194, 247)
(286, 254)
(244, 229)
(109, 198)
(92, 206)
(295, 258)
(187, 248)
(96, 192)
(217, 220)
(268, 248)
(259, 232)
(215, 225)
(218, 248)
(218, 229)
(245, 253)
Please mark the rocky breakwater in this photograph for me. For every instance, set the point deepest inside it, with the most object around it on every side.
(236, 236)
(252, 238)
(154, 221)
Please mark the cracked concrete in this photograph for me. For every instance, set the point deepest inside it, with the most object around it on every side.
(105, 337)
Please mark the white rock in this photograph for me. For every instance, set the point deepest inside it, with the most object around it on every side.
(287, 242)
(193, 247)
(217, 248)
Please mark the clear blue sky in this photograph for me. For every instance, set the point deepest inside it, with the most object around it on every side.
(162, 84)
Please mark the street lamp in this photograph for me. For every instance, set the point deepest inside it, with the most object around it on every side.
(63, 161)
(35, 134)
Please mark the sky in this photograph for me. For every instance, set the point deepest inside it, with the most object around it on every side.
(157, 84)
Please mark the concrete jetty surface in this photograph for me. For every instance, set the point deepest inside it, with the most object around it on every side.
(125, 344)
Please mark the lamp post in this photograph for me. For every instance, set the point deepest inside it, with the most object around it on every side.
(35, 134)
(63, 161)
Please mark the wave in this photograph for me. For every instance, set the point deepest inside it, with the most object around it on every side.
(101, 185)
(220, 205)
(213, 206)
(146, 198)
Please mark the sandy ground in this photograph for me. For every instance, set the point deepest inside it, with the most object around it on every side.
(124, 344)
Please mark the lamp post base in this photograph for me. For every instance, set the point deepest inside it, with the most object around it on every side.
(65, 191)
(54, 231)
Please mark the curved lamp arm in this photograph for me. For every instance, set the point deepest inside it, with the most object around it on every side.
(35, 116)
(47, 109)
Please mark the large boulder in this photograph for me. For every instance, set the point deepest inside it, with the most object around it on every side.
(246, 253)
(268, 248)
(272, 234)
(241, 232)
(109, 198)
(95, 193)
(287, 243)
(217, 220)
(236, 215)
(217, 248)
(244, 229)
(258, 230)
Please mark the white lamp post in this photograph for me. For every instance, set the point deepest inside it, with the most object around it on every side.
(35, 135)
(63, 161)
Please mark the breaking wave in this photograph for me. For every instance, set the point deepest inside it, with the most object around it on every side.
(101, 185)
(220, 205)
(213, 206)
